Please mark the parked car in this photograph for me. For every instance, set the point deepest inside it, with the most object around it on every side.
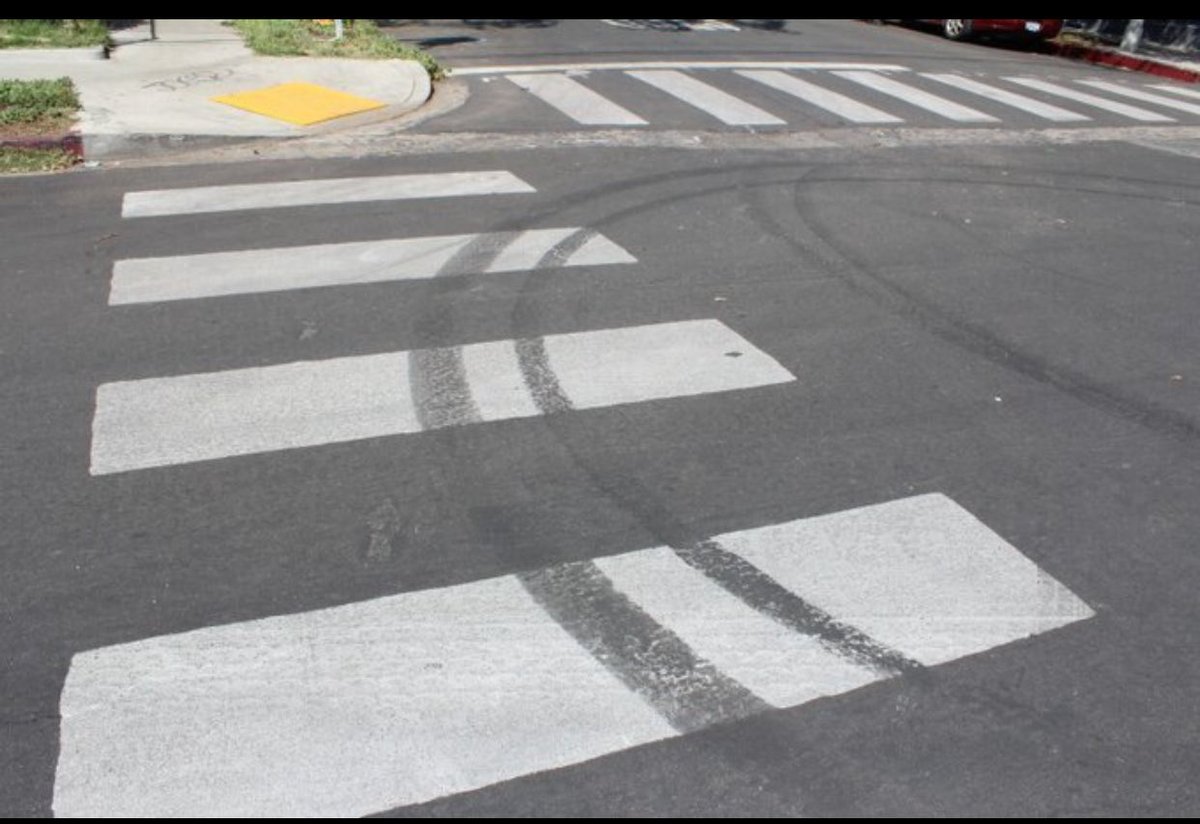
(1024, 29)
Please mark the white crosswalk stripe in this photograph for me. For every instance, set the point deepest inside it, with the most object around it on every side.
(721, 105)
(1176, 90)
(360, 708)
(1017, 101)
(165, 421)
(1144, 96)
(844, 107)
(688, 65)
(149, 280)
(575, 100)
(1123, 109)
(917, 97)
(319, 192)
(558, 86)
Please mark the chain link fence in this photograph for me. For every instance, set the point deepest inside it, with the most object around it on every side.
(1178, 37)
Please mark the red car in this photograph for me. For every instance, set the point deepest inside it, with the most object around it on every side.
(1025, 29)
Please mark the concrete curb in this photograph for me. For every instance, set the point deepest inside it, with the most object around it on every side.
(106, 146)
(1121, 60)
(71, 143)
(28, 56)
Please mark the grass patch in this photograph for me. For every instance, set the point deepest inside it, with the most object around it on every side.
(52, 34)
(37, 101)
(362, 39)
(13, 160)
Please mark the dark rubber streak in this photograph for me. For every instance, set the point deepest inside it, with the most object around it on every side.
(689, 692)
(437, 378)
(440, 393)
(763, 593)
(540, 379)
(531, 352)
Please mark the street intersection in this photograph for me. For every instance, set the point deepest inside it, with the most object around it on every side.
(614, 480)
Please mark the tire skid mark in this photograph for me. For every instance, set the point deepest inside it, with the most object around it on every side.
(974, 338)
(760, 591)
(687, 690)
(437, 377)
(532, 356)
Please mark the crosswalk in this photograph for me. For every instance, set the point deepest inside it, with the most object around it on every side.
(188, 277)
(175, 420)
(792, 94)
(366, 706)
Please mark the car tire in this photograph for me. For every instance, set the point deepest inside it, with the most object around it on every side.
(956, 29)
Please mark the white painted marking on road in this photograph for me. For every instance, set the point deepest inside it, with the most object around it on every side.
(360, 708)
(1017, 101)
(318, 192)
(844, 107)
(531, 247)
(493, 372)
(669, 360)
(782, 667)
(917, 97)
(598, 251)
(1144, 96)
(149, 280)
(165, 421)
(721, 105)
(920, 574)
(339, 712)
(1189, 148)
(712, 25)
(683, 65)
(1176, 90)
(576, 101)
(1133, 112)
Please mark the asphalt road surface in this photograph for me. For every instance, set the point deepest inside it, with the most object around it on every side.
(614, 478)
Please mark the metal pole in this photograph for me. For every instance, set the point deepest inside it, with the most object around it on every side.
(153, 33)
(338, 31)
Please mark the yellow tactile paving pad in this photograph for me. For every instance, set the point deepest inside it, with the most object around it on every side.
(301, 103)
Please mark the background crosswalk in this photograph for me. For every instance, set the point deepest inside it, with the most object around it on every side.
(793, 95)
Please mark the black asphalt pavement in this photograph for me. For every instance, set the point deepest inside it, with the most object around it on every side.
(1010, 326)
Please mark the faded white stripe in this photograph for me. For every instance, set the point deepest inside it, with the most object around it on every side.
(917, 97)
(921, 575)
(164, 421)
(576, 101)
(498, 388)
(683, 65)
(661, 361)
(339, 712)
(598, 250)
(780, 666)
(1133, 112)
(844, 107)
(721, 105)
(361, 708)
(314, 192)
(148, 280)
(1017, 101)
(1144, 96)
(1177, 90)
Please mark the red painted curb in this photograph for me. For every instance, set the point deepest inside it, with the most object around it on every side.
(71, 143)
(1104, 57)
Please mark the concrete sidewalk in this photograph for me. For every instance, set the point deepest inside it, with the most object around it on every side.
(156, 95)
